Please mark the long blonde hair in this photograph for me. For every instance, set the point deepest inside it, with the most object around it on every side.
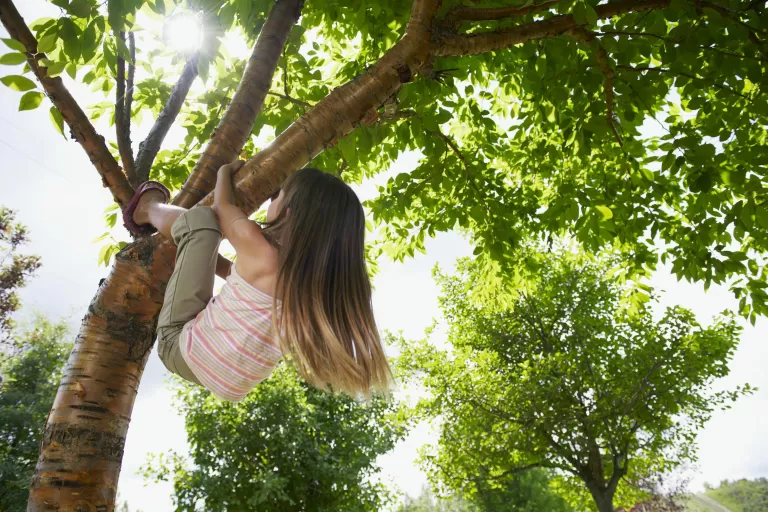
(325, 319)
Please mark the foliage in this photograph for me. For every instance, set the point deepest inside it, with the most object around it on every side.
(427, 502)
(285, 447)
(525, 492)
(742, 495)
(562, 376)
(13, 274)
(30, 371)
(515, 144)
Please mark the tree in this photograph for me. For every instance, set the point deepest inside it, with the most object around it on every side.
(525, 492)
(285, 447)
(743, 494)
(527, 117)
(427, 502)
(564, 376)
(15, 268)
(30, 372)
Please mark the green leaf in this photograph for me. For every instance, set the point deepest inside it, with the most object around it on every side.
(14, 45)
(605, 211)
(57, 119)
(90, 40)
(47, 43)
(80, 8)
(579, 13)
(18, 83)
(12, 59)
(71, 69)
(31, 100)
(590, 14)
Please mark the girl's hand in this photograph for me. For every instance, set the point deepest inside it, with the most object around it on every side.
(232, 167)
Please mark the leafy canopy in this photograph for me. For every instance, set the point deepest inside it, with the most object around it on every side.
(648, 133)
(285, 447)
(563, 377)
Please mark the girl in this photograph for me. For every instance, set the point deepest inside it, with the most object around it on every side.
(298, 286)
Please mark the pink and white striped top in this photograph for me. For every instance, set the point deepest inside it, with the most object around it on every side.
(229, 346)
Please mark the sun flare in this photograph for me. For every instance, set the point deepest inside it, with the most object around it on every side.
(183, 33)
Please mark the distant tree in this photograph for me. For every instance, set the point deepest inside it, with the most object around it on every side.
(565, 376)
(29, 376)
(15, 268)
(286, 447)
(742, 495)
(428, 502)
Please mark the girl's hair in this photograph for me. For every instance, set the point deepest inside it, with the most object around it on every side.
(326, 317)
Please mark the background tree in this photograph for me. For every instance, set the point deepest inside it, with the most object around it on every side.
(428, 502)
(534, 132)
(562, 376)
(741, 495)
(30, 371)
(286, 447)
(15, 268)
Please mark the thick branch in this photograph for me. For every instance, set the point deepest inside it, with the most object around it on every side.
(151, 145)
(235, 126)
(582, 34)
(123, 119)
(336, 115)
(81, 128)
(462, 13)
(470, 44)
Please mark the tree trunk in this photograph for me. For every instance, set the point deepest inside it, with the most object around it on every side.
(84, 436)
(603, 499)
(83, 440)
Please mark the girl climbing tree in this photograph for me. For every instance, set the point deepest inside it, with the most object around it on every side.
(535, 131)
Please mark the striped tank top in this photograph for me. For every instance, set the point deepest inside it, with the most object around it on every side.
(229, 346)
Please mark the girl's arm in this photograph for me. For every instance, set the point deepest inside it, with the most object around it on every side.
(244, 234)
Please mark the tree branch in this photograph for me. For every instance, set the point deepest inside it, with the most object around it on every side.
(621, 33)
(470, 44)
(642, 69)
(290, 98)
(460, 14)
(81, 128)
(235, 126)
(582, 34)
(123, 118)
(149, 148)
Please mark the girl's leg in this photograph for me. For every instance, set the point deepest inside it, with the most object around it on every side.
(153, 210)
(196, 234)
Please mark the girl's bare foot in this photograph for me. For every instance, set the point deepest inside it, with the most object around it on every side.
(147, 200)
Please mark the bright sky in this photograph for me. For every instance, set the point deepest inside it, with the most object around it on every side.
(58, 195)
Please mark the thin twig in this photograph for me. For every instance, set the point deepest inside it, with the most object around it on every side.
(641, 69)
(123, 117)
(582, 34)
(291, 99)
(678, 42)
(149, 148)
(130, 81)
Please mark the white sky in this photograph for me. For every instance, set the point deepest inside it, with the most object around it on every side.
(58, 195)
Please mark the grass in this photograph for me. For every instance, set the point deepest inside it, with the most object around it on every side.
(720, 496)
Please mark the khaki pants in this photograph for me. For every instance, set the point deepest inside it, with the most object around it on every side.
(197, 235)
